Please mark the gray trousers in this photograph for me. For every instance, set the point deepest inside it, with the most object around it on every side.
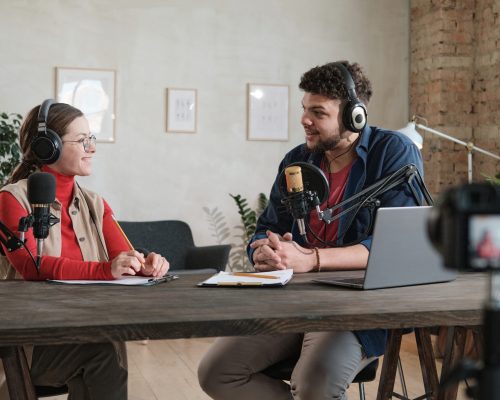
(91, 371)
(329, 361)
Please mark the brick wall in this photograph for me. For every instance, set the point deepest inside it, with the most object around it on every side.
(455, 85)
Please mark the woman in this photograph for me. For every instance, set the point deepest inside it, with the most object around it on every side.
(86, 244)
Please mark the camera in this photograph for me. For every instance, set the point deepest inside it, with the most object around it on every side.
(465, 227)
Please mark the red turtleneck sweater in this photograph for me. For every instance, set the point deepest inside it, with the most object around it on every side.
(70, 264)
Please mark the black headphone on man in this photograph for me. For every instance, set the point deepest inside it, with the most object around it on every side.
(354, 114)
(47, 144)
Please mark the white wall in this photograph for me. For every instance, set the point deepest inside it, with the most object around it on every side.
(216, 47)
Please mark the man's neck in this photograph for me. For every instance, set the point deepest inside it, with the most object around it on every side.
(343, 154)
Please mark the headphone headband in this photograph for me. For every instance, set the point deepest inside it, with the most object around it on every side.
(47, 144)
(44, 112)
(348, 81)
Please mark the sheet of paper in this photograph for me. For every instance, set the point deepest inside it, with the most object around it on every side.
(271, 278)
(124, 280)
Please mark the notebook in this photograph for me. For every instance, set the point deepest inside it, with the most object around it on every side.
(124, 280)
(249, 279)
(401, 254)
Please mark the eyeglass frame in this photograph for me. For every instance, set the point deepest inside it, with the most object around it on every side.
(86, 142)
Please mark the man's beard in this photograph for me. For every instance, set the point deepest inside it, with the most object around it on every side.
(325, 145)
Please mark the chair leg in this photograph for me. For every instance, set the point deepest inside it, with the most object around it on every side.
(361, 391)
(401, 374)
(402, 377)
(17, 373)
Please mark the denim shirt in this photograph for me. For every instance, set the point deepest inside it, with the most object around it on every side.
(380, 153)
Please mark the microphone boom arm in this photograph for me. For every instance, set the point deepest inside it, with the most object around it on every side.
(407, 174)
(9, 239)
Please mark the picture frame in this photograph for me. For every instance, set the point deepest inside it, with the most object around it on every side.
(267, 112)
(93, 91)
(182, 110)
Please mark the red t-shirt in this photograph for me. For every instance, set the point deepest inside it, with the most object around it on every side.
(70, 264)
(328, 232)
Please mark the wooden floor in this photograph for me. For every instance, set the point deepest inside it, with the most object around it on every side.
(166, 370)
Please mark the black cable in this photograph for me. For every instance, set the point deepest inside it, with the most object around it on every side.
(37, 267)
(328, 244)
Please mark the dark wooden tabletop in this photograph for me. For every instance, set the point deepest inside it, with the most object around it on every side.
(44, 313)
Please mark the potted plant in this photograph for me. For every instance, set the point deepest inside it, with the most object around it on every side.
(10, 152)
(238, 260)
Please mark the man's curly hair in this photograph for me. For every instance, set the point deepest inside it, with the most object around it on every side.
(327, 80)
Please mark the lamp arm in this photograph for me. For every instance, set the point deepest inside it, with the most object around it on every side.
(443, 135)
(408, 174)
(485, 152)
(469, 145)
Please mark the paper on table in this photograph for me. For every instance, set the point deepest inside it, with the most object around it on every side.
(272, 278)
(124, 280)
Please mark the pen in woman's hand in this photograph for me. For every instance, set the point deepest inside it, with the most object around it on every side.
(126, 239)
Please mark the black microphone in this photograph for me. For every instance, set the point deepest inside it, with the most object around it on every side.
(41, 194)
(303, 187)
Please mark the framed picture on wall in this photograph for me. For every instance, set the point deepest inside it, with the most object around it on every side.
(267, 116)
(181, 110)
(93, 92)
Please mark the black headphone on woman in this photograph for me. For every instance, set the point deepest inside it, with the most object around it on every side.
(354, 114)
(47, 144)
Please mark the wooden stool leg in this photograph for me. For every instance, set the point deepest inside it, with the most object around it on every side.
(427, 362)
(390, 364)
(17, 373)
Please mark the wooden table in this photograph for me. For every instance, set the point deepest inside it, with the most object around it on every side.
(43, 313)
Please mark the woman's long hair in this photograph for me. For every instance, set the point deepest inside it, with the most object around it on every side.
(60, 115)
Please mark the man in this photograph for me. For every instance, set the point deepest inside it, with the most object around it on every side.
(352, 156)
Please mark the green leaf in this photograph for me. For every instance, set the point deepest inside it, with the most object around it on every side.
(10, 152)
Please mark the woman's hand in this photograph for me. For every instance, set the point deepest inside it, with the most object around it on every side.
(127, 263)
(155, 265)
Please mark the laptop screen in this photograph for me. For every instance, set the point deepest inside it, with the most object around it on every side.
(401, 253)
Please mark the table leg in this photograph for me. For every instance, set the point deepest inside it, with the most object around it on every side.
(454, 353)
(17, 373)
(427, 362)
(390, 364)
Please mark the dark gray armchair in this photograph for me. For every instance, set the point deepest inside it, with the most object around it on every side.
(174, 240)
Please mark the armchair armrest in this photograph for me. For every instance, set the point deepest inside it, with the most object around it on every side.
(208, 257)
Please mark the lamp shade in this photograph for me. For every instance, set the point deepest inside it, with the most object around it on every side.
(411, 131)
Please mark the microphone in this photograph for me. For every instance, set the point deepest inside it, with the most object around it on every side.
(295, 188)
(41, 194)
(303, 186)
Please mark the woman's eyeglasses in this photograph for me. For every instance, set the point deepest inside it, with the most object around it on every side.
(87, 142)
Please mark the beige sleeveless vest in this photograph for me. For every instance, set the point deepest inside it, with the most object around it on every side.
(86, 211)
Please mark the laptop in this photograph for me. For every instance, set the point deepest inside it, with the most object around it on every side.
(401, 254)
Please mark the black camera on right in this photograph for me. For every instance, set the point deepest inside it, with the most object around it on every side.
(465, 227)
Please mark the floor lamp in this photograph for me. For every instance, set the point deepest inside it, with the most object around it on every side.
(411, 131)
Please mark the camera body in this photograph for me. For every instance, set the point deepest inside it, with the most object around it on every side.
(465, 227)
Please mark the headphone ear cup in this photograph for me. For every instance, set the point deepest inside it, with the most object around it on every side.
(354, 116)
(47, 147)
